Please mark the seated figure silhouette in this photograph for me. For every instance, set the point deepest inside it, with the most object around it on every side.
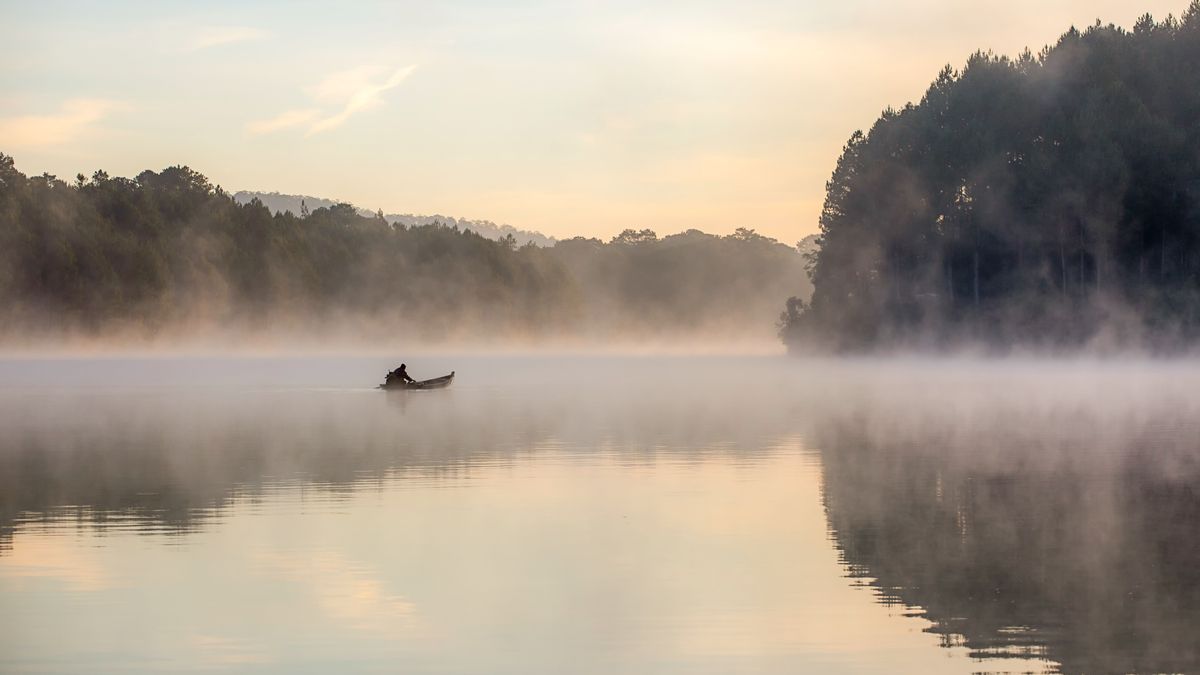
(399, 375)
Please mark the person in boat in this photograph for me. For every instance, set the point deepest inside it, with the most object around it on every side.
(400, 374)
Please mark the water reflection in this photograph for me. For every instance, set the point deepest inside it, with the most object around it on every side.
(639, 515)
(165, 459)
(1058, 529)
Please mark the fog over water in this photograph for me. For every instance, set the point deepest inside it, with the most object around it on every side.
(599, 514)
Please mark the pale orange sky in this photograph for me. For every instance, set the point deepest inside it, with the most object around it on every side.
(568, 118)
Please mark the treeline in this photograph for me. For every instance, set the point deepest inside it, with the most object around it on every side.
(1050, 200)
(281, 203)
(169, 255)
(695, 283)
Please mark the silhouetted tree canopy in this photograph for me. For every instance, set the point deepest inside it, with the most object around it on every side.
(1050, 199)
(168, 251)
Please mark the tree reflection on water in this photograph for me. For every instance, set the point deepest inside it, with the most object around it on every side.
(1066, 538)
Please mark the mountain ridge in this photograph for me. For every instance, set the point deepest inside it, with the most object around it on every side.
(280, 203)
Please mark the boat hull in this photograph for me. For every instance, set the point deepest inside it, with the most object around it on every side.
(435, 383)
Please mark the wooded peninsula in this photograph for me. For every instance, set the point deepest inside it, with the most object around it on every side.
(1048, 200)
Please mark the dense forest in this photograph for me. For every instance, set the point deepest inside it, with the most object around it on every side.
(1048, 200)
(169, 256)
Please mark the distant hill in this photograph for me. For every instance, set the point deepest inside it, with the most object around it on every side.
(482, 227)
(281, 203)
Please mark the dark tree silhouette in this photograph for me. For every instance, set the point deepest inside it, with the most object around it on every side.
(170, 251)
(1050, 199)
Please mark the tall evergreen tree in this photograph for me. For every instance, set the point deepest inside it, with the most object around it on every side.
(1050, 199)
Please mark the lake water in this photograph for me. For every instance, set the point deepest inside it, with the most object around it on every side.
(599, 515)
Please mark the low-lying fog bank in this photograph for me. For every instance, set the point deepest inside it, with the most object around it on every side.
(1027, 508)
(347, 344)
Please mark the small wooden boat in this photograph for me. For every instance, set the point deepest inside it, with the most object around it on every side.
(435, 383)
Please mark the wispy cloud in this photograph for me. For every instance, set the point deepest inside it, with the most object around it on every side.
(214, 36)
(284, 120)
(72, 120)
(353, 90)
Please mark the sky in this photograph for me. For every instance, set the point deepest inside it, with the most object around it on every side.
(570, 118)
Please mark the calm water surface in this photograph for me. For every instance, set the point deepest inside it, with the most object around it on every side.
(599, 515)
